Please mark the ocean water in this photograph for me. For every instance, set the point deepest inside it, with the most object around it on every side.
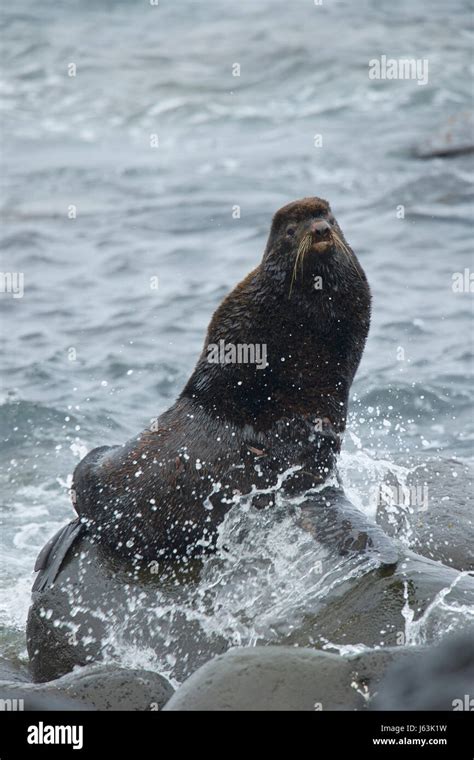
(150, 146)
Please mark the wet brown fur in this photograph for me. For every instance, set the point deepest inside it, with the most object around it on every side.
(231, 417)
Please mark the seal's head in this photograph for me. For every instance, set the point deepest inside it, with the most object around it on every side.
(307, 307)
(305, 234)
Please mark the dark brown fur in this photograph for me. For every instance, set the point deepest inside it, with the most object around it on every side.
(234, 419)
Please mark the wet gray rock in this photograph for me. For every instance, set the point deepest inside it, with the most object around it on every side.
(19, 698)
(454, 138)
(91, 606)
(187, 613)
(443, 528)
(440, 678)
(13, 670)
(94, 603)
(284, 678)
(94, 688)
(372, 610)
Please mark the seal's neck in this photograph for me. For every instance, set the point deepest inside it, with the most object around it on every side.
(268, 357)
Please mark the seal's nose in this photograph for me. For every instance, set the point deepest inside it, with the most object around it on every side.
(320, 229)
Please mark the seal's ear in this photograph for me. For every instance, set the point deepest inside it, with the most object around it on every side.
(273, 236)
(284, 229)
(275, 227)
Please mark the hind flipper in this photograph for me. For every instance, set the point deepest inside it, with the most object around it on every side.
(52, 555)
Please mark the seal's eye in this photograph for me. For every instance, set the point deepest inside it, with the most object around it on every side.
(290, 232)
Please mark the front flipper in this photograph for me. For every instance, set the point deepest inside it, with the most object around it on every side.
(334, 521)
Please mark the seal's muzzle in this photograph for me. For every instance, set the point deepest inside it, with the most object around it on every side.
(320, 230)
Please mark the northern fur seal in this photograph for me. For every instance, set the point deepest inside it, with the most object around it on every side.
(240, 427)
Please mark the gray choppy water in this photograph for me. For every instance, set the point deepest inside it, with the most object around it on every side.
(144, 212)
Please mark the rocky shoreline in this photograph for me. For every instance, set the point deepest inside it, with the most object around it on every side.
(273, 678)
